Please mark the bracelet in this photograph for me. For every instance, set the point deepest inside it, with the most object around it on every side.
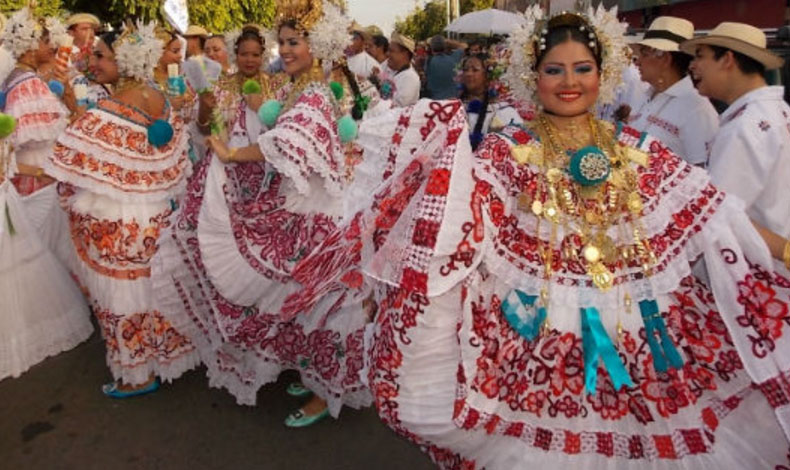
(786, 255)
(203, 124)
(232, 153)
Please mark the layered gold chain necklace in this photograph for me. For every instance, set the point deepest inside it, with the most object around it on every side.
(591, 192)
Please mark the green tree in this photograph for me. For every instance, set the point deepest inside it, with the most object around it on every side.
(475, 5)
(43, 7)
(422, 23)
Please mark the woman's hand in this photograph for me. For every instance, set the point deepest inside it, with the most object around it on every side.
(254, 101)
(220, 149)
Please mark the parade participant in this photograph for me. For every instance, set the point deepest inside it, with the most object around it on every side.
(378, 49)
(402, 84)
(360, 62)
(41, 117)
(180, 94)
(750, 154)
(484, 111)
(200, 71)
(256, 206)
(32, 326)
(675, 113)
(121, 166)
(535, 303)
(82, 27)
(217, 50)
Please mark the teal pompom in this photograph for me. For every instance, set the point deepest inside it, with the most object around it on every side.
(2, 100)
(251, 87)
(56, 88)
(347, 129)
(160, 133)
(337, 90)
(7, 125)
(590, 166)
(269, 112)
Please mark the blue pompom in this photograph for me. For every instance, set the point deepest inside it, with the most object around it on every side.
(160, 133)
(2, 100)
(269, 112)
(56, 87)
(492, 93)
(347, 129)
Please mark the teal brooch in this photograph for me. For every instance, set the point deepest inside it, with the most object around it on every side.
(590, 166)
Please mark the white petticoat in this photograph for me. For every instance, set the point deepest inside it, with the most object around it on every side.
(42, 312)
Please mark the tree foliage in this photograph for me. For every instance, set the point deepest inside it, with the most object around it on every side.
(422, 23)
(214, 15)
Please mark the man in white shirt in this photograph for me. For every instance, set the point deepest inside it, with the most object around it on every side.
(360, 63)
(750, 155)
(675, 112)
(405, 81)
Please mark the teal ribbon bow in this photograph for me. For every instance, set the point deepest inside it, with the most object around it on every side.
(654, 323)
(597, 344)
(522, 315)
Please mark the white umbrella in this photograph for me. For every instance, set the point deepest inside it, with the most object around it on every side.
(490, 21)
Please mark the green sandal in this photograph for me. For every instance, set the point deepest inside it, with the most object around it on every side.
(298, 419)
(296, 389)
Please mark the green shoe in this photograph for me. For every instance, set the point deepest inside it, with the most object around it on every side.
(298, 419)
(296, 389)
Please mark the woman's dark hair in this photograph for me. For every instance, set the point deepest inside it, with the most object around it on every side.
(382, 42)
(110, 37)
(357, 110)
(289, 23)
(747, 65)
(568, 27)
(477, 133)
(248, 33)
(681, 62)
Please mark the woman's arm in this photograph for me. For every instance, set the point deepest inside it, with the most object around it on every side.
(251, 153)
(779, 246)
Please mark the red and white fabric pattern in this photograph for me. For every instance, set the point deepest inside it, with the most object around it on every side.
(225, 266)
(118, 191)
(450, 373)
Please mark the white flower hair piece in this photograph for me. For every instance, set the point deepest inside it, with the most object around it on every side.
(329, 38)
(230, 44)
(7, 63)
(58, 34)
(21, 33)
(527, 42)
(137, 51)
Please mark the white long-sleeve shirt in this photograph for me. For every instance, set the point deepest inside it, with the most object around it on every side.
(681, 119)
(750, 156)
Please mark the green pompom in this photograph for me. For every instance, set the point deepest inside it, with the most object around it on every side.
(347, 129)
(7, 125)
(251, 87)
(269, 112)
(337, 90)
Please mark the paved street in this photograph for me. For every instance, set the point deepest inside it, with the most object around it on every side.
(55, 417)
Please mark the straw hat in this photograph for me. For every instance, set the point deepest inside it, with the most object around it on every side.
(359, 29)
(195, 30)
(402, 40)
(79, 18)
(2, 21)
(666, 33)
(374, 30)
(738, 37)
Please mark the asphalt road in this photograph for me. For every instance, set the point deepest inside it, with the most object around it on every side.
(55, 417)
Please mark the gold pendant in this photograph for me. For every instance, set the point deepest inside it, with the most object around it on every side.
(524, 154)
(537, 207)
(554, 175)
(635, 203)
(601, 276)
(551, 212)
(637, 156)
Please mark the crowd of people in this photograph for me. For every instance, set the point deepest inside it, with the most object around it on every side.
(552, 250)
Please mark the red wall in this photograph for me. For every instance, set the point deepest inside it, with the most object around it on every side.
(706, 14)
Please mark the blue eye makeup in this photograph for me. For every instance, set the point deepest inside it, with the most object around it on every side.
(553, 70)
(583, 68)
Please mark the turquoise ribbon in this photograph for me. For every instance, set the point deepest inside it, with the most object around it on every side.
(597, 344)
(525, 325)
(654, 323)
